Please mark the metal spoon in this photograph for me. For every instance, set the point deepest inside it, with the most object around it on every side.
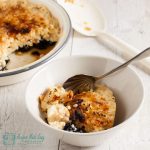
(89, 21)
(81, 82)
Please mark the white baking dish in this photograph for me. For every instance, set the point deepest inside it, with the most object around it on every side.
(16, 75)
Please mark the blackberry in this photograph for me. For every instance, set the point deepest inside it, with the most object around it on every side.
(43, 44)
(72, 128)
(24, 49)
(77, 115)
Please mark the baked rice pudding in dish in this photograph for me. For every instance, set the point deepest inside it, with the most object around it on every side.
(85, 112)
(24, 25)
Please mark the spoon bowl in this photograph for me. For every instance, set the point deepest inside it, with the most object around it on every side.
(85, 17)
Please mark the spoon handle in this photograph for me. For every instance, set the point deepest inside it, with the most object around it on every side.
(142, 55)
(122, 48)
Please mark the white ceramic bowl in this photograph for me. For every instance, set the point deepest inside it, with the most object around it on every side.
(19, 74)
(126, 86)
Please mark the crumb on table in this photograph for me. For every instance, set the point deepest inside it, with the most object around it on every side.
(88, 28)
(70, 1)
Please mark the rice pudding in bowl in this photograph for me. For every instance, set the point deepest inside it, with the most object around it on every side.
(83, 112)
(125, 85)
(38, 31)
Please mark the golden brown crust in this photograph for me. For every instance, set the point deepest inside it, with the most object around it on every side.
(90, 111)
(55, 95)
(94, 111)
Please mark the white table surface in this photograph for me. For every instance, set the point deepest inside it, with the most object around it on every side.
(127, 19)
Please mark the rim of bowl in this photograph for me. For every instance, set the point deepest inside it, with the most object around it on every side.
(90, 133)
(31, 66)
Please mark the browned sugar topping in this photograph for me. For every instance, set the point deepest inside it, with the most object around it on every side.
(17, 19)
